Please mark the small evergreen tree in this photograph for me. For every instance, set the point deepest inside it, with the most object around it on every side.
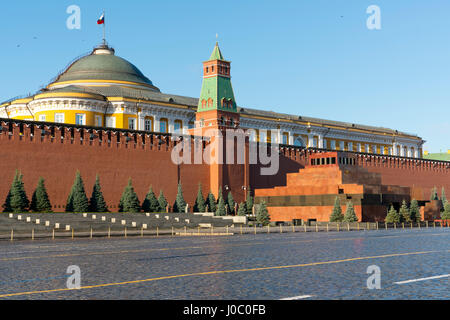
(434, 194)
(392, 216)
(200, 205)
(350, 215)
(231, 203)
(151, 203)
(221, 211)
(415, 211)
(443, 196)
(445, 215)
(211, 202)
(179, 204)
(249, 202)
(162, 201)
(262, 215)
(97, 201)
(405, 215)
(40, 201)
(129, 201)
(242, 210)
(16, 200)
(336, 215)
(77, 200)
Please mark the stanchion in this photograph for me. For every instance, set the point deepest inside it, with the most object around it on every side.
(385, 225)
(426, 223)
(305, 227)
(125, 232)
(327, 227)
(90, 236)
(418, 224)
(12, 235)
(395, 225)
(281, 229)
(403, 225)
(241, 228)
(157, 231)
(53, 234)
(317, 227)
(377, 226)
(411, 225)
(109, 232)
(255, 228)
(337, 226)
(358, 226)
(348, 226)
(72, 233)
(32, 234)
(227, 229)
(368, 226)
(172, 232)
(293, 228)
(268, 228)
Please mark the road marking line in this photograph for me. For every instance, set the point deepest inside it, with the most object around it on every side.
(297, 298)
(423, 279)
(222, 272)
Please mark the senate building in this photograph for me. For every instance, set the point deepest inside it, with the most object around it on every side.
(104, 90)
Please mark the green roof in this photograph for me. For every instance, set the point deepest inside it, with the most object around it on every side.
(103, 67)
(216, 54)
(437, 156)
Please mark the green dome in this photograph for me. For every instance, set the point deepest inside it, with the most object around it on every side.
(102, 64)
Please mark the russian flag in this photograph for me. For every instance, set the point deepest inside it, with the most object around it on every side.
(101, 20)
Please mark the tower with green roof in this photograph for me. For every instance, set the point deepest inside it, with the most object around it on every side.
(217, 91)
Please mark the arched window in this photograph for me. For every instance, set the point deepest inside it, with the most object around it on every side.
(299, 142)
(148, 124)
(163, 125)
(203, 103)
(178, 126)
(210, 102)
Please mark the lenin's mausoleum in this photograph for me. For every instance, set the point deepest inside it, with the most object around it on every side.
(103, 116)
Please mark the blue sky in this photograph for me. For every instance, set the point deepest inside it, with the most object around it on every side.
(307, 57)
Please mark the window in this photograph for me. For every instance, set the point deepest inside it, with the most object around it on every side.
(80, 119)
(131, 123)
(210, 102)
(42, 117)
(207, 69)
(203, 103)
(178, 126)
(59, 117)
(98, 121)
(163, 125)
(285, 138)
(111, 122)
(148, 125)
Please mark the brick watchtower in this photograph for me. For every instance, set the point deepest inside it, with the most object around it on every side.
(217, 112)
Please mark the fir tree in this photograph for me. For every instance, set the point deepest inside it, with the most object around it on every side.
(220, 210)
(40, 201)
(392, 216)
(151, 203)
(77, 200)
(199, 205)
(162, 201)
(129, 201)
(211, 202)
(249, 202)
(97, 201)
(231, 203)
(434, 195)
(443, 197)
(415, 211)
(242, 210)
(405, 215)
(16, 200)
(350, 215)
(179, 204)
(262, 214)
(336, 215)
(445, 215)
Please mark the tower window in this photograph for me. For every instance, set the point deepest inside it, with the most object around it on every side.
(210, 102)
(203, 103)
(207, 69)
(212, 68)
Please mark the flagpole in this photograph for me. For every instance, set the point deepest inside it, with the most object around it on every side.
(104, 27)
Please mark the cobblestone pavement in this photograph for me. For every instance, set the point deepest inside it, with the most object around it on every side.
(265, 266)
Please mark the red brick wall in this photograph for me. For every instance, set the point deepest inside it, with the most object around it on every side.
(56, 160)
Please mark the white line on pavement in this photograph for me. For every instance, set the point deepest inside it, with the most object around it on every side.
(423, 279)
(297, 298)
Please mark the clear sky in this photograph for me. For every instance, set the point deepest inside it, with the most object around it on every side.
(307, 57)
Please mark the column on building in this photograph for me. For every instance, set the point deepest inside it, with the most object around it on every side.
(291, 138)
(341, 145)
(350, 146)
(156, 126)
(358, 147)
(320, 141)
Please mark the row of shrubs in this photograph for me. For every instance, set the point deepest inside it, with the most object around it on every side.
(77, 201)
